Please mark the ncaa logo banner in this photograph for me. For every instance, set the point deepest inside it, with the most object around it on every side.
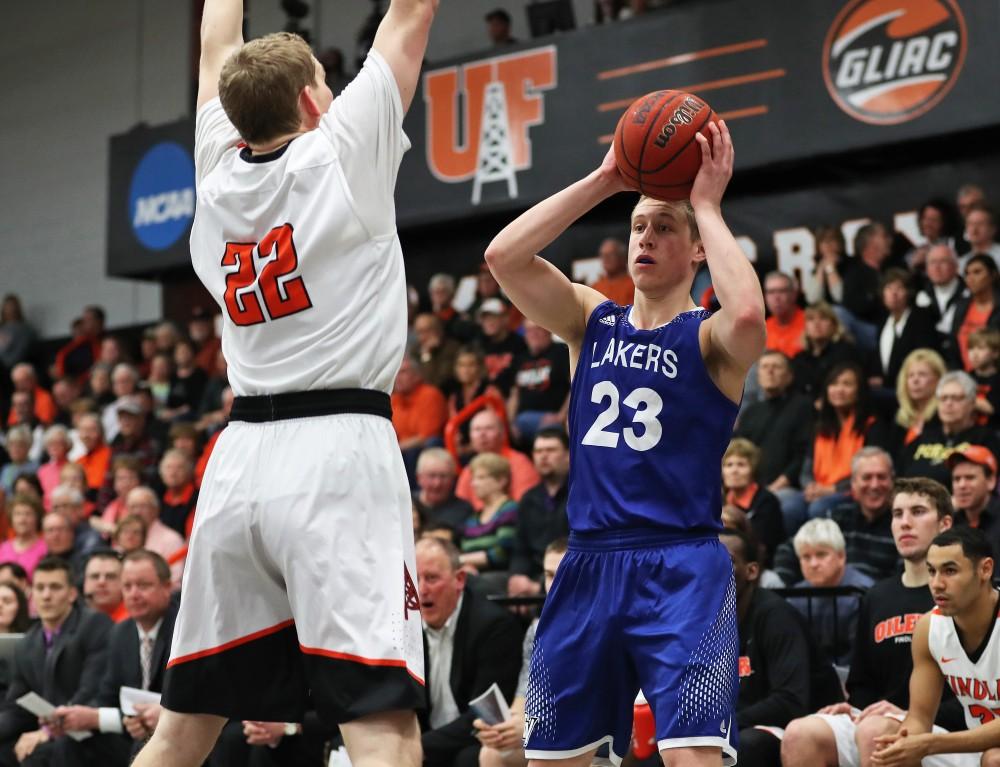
(479, 116)
(889, 61)
(161, 195)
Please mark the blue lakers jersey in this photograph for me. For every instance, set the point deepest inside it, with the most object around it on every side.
(648, 428)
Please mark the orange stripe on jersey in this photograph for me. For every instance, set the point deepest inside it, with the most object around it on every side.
(230, 645)
(359, 659)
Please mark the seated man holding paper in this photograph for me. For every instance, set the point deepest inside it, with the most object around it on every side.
(273, 744)
(503, 741)
(470, 645)
(123, 711)
(60, 661)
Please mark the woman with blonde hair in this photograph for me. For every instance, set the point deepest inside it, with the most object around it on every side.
(488, 535)
(740, 490)
(916, 387)
(825, 343)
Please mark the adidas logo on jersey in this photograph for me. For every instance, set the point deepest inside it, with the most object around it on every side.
(609, 320)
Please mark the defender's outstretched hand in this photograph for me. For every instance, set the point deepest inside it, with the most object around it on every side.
(716, 169)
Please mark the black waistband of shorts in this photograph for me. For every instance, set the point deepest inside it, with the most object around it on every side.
(306, 404)
(636, 538)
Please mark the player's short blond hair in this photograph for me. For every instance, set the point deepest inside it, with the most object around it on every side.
(679, 208)
(259, 86)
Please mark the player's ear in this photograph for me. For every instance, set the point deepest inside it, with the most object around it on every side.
(753, 571)
(699, 251)
(307, 104)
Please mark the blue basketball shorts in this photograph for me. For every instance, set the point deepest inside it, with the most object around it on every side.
(629, 610)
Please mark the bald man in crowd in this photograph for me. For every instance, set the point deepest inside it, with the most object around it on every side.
(487, 435)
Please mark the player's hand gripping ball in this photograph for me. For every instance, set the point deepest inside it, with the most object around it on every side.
(655, 148)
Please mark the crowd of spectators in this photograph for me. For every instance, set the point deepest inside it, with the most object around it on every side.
(878, 378)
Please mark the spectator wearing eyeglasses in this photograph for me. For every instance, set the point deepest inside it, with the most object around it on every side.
(954, 426)
(786, 323)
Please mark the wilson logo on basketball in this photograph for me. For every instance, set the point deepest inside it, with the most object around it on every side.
(889, 61)
(479, 115)
(683, 115)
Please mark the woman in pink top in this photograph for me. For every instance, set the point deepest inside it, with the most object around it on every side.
(126, 475)
(26, 547)
(57, 445)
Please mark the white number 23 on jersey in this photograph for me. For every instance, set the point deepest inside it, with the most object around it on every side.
(647, 405)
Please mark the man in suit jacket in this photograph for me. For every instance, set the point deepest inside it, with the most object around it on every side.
(146, 590)
(62, 659)
(469, 645)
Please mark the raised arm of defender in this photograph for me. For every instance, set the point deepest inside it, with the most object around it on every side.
(733, 338)
(402, 41)
(221, 35)
(538, 289)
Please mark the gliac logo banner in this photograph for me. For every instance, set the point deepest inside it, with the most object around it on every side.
(161, 195)
(890, 61)
(479, 115)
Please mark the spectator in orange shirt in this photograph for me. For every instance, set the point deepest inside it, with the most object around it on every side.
(25, 379)
(616, 283)
(97, 459)
(419, 412)
(786, 323)
(487, 436)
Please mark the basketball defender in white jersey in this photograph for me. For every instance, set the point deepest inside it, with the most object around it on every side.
(298, 585)
(958, 644)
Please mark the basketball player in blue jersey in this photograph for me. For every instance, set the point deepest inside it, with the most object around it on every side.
(645, 597)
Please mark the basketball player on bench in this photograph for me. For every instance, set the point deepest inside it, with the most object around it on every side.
(645, 595)
(957, 643)
(299, 578)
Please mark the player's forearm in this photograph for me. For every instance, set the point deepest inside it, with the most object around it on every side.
(516, 245)
(735, 282)
(414, 7)
(221, 24)
(916, 723)
(966, 741)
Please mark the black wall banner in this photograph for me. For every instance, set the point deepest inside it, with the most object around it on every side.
(495, 133)
(150, 199)
(795, 81)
